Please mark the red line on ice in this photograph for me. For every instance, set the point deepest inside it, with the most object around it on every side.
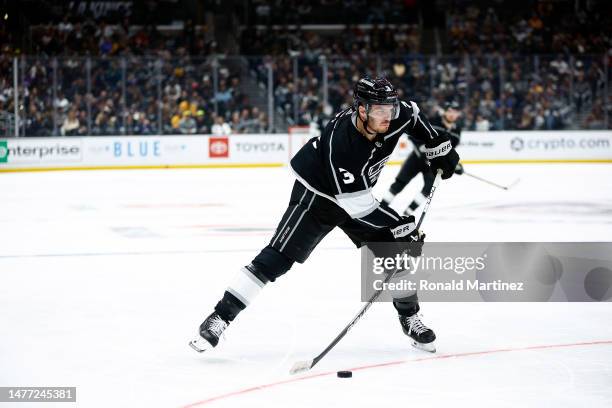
(390, 363)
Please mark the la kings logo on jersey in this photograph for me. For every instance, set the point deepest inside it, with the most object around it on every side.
(375, 170)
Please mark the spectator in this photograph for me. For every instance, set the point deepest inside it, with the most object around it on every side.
(70, 127)
(221, 127)
(526, 122)
(188, 124)
(202, 122)
(481, 124)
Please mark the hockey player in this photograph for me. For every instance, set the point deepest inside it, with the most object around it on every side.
(335, 175)
(447, 122)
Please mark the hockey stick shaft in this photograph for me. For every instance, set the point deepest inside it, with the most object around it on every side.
(431, 193)
(485, 180)
(376, 294)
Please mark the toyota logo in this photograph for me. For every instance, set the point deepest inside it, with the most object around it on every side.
(218, 147)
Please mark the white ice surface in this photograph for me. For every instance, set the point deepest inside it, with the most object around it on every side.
(105, 276)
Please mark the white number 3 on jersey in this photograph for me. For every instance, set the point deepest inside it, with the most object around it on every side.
(348, 178)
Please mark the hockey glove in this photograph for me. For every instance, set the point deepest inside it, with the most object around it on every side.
(441, 155)
(459, 169)
(405, 232)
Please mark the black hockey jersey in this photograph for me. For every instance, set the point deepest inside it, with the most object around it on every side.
(454, 133)
(342, 165)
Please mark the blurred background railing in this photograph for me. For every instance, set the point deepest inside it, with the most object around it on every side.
(185, 95)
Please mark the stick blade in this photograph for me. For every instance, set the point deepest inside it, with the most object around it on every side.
(301, 366)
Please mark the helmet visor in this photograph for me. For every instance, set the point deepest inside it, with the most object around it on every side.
(383, 112)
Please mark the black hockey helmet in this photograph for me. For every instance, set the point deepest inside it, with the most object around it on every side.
(377, 91)
(451, 104)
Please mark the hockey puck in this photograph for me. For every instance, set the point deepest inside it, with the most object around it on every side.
(345, 374)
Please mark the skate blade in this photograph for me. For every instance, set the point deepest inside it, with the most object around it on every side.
(429, 347)
(200, 345)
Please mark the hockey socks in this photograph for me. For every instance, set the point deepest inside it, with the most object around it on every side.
(243, 290)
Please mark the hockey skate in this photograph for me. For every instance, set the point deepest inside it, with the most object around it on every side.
(210, 332)
(422, 337)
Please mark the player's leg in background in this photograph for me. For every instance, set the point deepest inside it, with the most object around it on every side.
(406, 303)
(410, 168)
(301, 228)
(421, 197)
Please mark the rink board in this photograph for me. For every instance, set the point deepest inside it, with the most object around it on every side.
(272, 150)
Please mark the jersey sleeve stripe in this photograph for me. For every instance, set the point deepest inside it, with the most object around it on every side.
(400, 128)
(440, 128)
(331, 163)
(370, 224)
(388, 213)
(415, 113)
(427, 129)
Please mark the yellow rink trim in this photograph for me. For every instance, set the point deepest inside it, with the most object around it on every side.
(269, 165)
(159, 166)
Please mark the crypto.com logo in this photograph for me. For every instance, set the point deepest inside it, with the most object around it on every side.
(517, 144)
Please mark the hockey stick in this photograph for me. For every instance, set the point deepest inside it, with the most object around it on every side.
(302, 366)
(492, 183)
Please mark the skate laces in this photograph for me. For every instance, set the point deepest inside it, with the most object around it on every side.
(216, 325)
(415, 324)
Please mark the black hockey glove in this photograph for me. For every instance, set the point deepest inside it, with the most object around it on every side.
(459, 169)
(404, 231)
(441, 155)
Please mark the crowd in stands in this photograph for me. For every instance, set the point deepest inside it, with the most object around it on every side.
(548, 69)
(101, 79)
(347, 55)
(282, 12)
(536, 27)
(539, 67)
